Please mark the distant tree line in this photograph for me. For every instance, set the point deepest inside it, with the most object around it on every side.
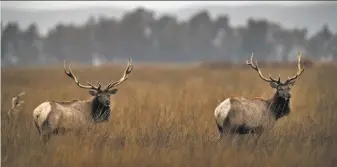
(146, 38)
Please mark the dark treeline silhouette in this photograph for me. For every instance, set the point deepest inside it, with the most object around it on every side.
(146, 38)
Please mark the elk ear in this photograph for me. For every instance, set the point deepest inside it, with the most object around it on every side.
(273, 84)
(93, 92)
(113, 91)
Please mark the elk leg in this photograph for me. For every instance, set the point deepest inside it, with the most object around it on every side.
(37, 127)
(46, 131)
(60, 131)
(45, 138)
(225, 129)
(220, 129)
(45, 135)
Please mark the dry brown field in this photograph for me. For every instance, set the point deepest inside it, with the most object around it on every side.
(164, 117)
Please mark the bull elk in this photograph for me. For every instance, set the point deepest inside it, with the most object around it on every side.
(52, 117)
(239, 115)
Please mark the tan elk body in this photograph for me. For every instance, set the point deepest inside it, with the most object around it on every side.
(239, 115)
(52, 117)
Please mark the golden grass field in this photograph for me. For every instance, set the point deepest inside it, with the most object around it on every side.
(164, 117)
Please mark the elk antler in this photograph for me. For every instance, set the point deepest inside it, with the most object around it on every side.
(256, 68)
(299, 70)
(71, 75)
(16, 102)
(124, 77)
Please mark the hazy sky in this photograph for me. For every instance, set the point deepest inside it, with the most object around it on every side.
(162, 5)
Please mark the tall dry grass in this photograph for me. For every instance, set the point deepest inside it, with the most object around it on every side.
(164, 117)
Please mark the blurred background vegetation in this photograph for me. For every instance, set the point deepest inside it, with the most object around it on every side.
(191, 34)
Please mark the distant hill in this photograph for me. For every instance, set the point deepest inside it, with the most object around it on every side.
(311, 16)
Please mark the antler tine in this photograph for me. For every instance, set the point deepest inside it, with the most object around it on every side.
(99, 84)
(21, 94)
(274, 80)
(15, 101)
(124, 77)
(299, 70)
(71, 75)
(256, 68)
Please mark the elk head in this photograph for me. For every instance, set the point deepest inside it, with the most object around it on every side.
(282, 88)
(103, 95)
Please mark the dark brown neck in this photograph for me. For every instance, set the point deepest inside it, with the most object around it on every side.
(99, 112)
(279, 106)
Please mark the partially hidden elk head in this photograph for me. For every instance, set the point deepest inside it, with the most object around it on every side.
(103, 95)
(282, 88)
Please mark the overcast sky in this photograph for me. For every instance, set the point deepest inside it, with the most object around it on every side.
(161, 5)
